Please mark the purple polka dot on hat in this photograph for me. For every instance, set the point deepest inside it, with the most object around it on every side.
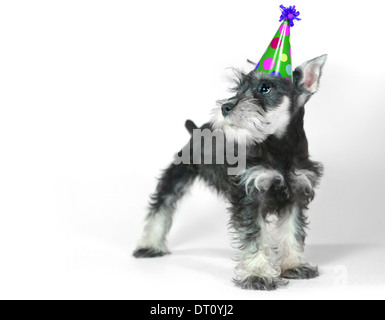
(290, 52)
(268, 64)
(288, 79)
(284, 29)
(276, 73)
(276, 43)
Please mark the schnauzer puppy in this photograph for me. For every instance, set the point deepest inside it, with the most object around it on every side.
(268, 199)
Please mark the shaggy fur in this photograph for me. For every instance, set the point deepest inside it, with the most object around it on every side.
(269, 197)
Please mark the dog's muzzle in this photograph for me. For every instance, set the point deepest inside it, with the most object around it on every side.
(226, 108)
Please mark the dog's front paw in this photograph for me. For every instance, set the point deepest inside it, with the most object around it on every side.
(282, 192)
(149, 253)
(259, 283)
(301, 273)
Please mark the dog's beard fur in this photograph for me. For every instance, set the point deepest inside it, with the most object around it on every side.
(255, 117)
(249, 123)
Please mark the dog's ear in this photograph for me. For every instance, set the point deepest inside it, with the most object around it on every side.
(307, 77)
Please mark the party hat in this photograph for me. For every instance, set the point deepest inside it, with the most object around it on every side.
(277, 58)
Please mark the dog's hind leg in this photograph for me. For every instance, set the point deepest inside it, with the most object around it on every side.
(172, 186)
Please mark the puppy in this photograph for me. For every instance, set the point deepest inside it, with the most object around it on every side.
(269, 196)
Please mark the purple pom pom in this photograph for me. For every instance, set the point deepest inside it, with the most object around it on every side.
(290, 14)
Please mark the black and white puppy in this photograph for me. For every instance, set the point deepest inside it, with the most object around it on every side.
(270, 196)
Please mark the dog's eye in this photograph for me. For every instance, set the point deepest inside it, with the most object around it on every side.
(264, 88)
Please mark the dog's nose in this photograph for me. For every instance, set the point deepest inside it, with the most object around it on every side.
(226, 108)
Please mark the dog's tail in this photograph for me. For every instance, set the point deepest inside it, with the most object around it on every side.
(190, 126)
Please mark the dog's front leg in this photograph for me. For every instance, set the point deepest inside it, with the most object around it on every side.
(258, 267)
(291, 234)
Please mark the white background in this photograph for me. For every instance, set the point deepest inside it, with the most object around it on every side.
(93, 98)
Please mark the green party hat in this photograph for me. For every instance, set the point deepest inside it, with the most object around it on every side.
(277, 58)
